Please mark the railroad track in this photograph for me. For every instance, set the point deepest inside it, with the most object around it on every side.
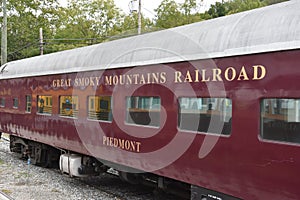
(4, 196)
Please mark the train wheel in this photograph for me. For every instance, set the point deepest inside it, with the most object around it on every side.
(42, 155)
(18, 146)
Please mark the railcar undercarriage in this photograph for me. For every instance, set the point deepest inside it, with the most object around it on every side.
(36, 153)
(78, 165)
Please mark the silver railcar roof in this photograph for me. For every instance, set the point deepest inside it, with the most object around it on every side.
(266, 29)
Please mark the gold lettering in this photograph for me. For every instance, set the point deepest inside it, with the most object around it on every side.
(81, 82)
(244, 74)
(128, 145)
(76, 82)
(132, 144)
(135, 76)
(148, 78)
(178, 77)
(111, 141)
(155, 77)
(142, 79)
(121, 143)
(115, 142)
(138, 144)
(108, 80)
(217, 74)
(203, 76)
(86, 81)
(54, 84)
(92, 81)
(233, 74)
(97, 80)
(163, 77)
(61, 81)
(256, 69)
(104, 140)
(122, 81)
(196, 75)
(129, 79)
(115, 79)
(69, 82)
(188, 77)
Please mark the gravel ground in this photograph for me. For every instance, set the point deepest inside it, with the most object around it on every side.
(28, 182)
(22, 181)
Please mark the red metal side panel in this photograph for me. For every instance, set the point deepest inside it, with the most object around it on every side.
(241, 165)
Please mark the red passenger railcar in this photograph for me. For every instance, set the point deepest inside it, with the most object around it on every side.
(213, 106)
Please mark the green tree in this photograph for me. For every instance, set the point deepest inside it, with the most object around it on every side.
(269, 2)
(189, 12)
(168, 14)
(25, 18)
(234, 6)
(188, 6)
(243, 5)
(130, 23)
(217, 10)
(92, 23)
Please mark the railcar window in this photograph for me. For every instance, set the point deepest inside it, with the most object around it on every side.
(100, 108)
(15, 102)
(28, 103)
(68, 106)
(44, 104)
(143, 111)
(2, 102)
(208, 115)
(280, 120)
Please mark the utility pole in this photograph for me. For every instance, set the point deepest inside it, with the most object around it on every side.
(140, 17)
(133, 8)
(41, 42)
(4, 34)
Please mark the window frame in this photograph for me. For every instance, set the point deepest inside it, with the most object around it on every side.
(27, 104)
(73, 112)
(94, 110)
(15, 102)
(46, 101)
(207, 112)
(143, 109)
(2, 102)
(282, 129)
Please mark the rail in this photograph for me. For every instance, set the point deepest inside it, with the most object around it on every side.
(4, 196)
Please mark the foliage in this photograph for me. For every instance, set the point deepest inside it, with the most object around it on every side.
(171, 14)
(92, 23)
(243, 5)
(189, 12)
(269, 2)
(94, 19)
(168, 14)
(24, 20)
(217, 10)
(130, 24)
(223, 8)
(98, 21)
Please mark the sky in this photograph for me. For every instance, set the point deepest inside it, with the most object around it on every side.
(148, 6)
